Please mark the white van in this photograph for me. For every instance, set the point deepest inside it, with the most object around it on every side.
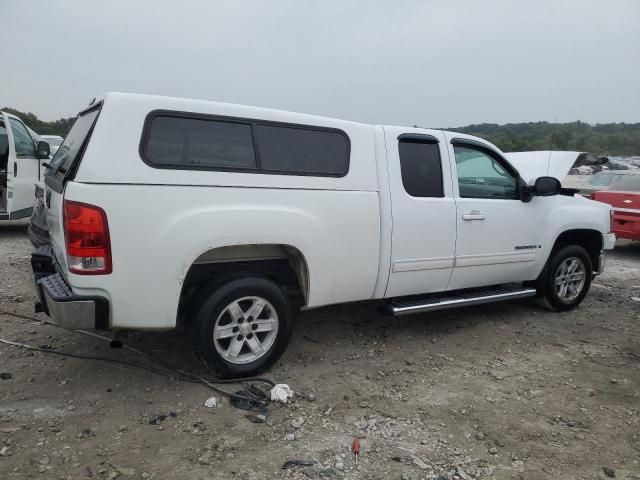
(22, 163)
(226, 218)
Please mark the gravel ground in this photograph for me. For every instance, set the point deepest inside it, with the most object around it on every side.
(506, 391)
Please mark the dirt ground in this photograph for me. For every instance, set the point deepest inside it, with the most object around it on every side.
(506, 391)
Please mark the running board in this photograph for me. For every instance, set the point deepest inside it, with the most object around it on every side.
(407, 307)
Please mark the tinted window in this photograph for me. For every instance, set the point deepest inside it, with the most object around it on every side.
(196, 142)
(300, 150)
(421, 168)
(68, 151)
(482, 176)
(4, 142)
(22, 141)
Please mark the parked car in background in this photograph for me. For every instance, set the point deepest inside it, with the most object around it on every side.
(224, 218)
(54, 142)
(624, 197)
(22, 159)
(604, 180)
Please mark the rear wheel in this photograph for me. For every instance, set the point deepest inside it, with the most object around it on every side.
(566, 278)
(243, 327)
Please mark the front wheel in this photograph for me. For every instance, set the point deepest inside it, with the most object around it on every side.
(567, 277)
(243, 327)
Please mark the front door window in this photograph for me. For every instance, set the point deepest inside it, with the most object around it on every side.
(482, 176)
(23, 142)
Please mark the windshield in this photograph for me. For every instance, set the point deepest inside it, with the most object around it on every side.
(72, 144)
(53, 141)
(603, 179)
(628, 183)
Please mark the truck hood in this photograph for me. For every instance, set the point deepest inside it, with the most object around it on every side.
(532, 165)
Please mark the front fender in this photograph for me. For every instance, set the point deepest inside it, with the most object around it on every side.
(575, 213)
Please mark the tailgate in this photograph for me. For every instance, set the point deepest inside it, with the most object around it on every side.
(61, 169)
(54, 213)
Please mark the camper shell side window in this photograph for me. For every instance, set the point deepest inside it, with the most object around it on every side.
(191, 141)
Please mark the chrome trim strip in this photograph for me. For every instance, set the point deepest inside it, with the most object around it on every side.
(625, 210)
(416, 264)
(460, 302)
(495, 258)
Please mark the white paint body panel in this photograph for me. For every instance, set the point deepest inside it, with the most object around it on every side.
(157, 232)
(361, 235)
(424, 230)
(485, 249)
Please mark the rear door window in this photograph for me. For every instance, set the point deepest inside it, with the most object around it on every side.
(421, 168)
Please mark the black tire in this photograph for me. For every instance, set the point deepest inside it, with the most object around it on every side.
(214, 309)
(547, 280)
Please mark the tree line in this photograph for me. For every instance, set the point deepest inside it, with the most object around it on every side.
(57, 127)
(609, 139)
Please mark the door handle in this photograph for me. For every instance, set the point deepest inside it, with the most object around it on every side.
(473, 215)
(15, 169)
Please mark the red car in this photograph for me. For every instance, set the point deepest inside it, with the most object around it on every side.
(624, 197)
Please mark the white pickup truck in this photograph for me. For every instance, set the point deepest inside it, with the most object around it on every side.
(224, 217)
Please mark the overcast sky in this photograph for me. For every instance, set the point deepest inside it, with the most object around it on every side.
(432, 63)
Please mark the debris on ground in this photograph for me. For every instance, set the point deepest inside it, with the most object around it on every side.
(535, 385)
(211, 402)
(355, 448)
(251, 398)
(256, 418)
(281, 393)
(609, 472)
(297, 463)
(5, 376)
(158, 419)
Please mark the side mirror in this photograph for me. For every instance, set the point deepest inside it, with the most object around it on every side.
(43, 150)
(547, 186)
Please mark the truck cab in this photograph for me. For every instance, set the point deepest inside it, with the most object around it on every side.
(22, 160)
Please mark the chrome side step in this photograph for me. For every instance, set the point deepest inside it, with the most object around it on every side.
(407, 307)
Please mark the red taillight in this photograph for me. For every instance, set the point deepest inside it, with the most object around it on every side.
(87, 235)
(593, 195)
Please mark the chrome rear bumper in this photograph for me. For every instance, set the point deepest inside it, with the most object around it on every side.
(57, 300)
(64, 308)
